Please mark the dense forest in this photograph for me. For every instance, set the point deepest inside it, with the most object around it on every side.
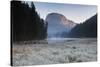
(85, 29)
(26, 24)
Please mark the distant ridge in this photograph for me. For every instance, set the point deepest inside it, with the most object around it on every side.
(86, 29)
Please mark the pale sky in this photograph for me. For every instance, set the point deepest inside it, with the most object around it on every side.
(74, 12)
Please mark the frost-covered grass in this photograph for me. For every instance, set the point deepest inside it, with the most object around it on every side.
(68, 51)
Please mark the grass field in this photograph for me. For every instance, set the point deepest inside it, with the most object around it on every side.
(48, 52)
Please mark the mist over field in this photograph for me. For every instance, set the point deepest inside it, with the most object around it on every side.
(66, 51)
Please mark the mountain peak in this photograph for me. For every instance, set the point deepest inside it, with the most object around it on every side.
(58, 23)
(59, 17)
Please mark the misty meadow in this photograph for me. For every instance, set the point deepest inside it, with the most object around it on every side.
(52, 33)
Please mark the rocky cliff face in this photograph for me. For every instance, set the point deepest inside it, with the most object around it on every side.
(57, 24)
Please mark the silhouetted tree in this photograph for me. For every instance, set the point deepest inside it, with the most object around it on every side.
(26, 23)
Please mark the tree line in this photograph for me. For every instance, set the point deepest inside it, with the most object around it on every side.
(26, 24)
